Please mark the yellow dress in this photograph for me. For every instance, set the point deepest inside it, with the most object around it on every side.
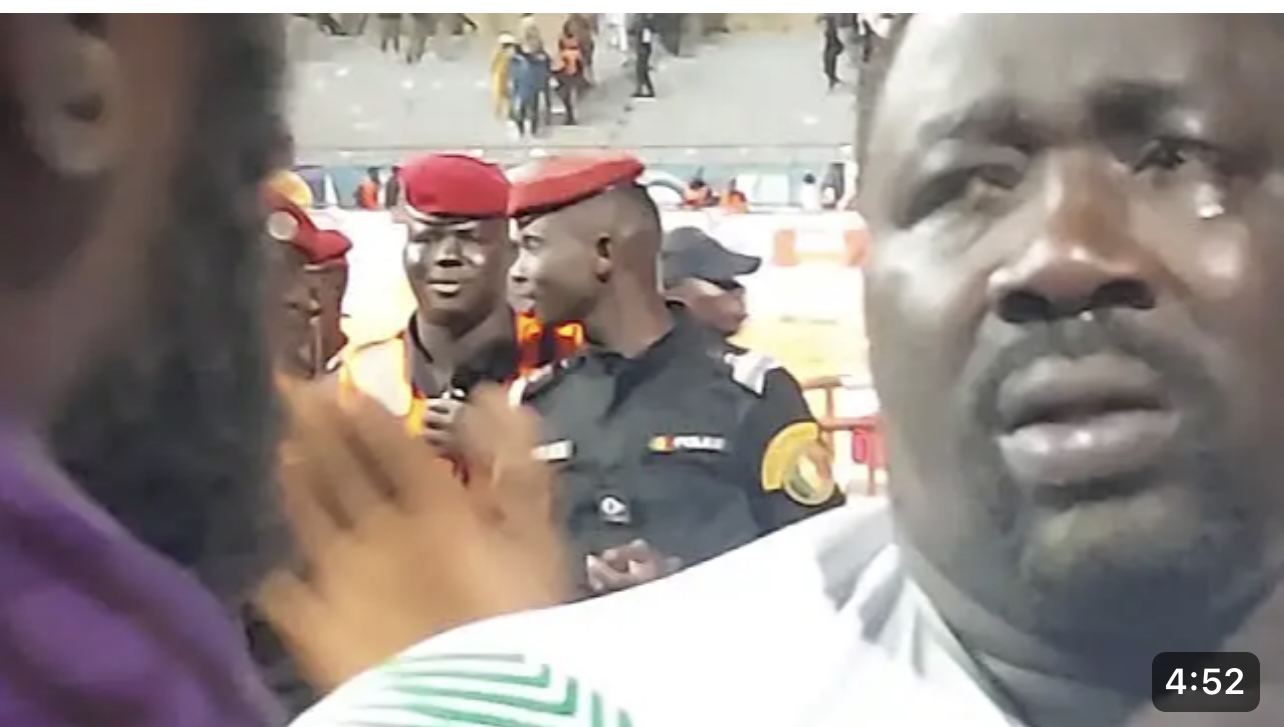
(499, 82)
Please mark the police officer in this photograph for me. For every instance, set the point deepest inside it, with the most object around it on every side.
(703, 275)
(672, 447)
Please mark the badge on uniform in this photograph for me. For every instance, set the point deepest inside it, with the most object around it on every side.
(665, 443)
(614, 510)
(798, 463)
(559, 451)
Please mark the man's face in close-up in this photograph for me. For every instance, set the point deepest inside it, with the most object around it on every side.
(173, 432)
(559, 265)
(1073, 306)
(457, 268)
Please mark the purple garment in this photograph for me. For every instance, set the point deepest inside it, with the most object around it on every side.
(95, 628)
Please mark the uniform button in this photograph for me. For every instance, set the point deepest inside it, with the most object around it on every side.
(614, 510)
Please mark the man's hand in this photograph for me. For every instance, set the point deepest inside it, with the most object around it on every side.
(440, 424)
(397, 549)
(627, 566)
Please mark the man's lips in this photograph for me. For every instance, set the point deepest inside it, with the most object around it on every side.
(446, 286)
(1065, 422)
(1059, 390)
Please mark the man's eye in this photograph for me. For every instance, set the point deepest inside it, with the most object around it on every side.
(1168, 154)
(968, 186)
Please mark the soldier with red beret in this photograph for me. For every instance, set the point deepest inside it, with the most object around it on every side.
(674, 446)
(463, 331)
(312, 276)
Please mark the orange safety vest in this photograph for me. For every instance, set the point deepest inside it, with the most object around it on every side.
(540, 346)
(381, 369)
(568, 56)
(368, 195)
(735, 201)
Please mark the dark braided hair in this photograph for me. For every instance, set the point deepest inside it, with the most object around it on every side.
(174, 432)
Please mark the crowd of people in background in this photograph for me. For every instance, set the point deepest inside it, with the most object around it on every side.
(525, 72)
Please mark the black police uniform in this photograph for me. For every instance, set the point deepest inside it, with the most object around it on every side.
(669, 446)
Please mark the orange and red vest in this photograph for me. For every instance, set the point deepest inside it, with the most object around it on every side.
(381, 369)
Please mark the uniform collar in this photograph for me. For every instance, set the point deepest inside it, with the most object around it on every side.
(496, 362)
(683, 338)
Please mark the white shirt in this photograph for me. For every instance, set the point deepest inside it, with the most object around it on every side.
(815, 626)
(809, 197)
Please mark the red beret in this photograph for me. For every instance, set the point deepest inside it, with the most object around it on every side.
(289, 223)
(558, 181)
(454, 185)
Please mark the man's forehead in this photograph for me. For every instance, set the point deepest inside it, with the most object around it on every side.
(948, 64)
(551, 225)
(439, 223)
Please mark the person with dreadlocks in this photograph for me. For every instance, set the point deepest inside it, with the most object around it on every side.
(133, 148)
(100, 114)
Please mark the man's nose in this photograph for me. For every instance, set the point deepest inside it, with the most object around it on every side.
(1084, 257)
(519, 273)
(448, 253)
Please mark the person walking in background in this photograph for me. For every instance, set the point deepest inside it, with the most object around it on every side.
(423, 26)
(500, 78)
(524, 81)
(528, 32)
(392, 188)
(642, 36)
(832, 49)
(390, 32)
(583, 27)
(568, 70)
(367, 194)
(541, 79)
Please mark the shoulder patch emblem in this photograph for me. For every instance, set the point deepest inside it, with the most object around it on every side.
(750, 369)
(797, 462)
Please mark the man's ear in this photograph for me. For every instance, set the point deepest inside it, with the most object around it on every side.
(70, 91)
(61, 134)
(605, 254)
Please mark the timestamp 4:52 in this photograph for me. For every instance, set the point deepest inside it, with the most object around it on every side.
(1192, 681)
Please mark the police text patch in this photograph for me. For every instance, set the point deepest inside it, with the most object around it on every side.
(687, 443)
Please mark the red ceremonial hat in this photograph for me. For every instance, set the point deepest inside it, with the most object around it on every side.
(454, 185)
(558, 181)
(289, 223)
